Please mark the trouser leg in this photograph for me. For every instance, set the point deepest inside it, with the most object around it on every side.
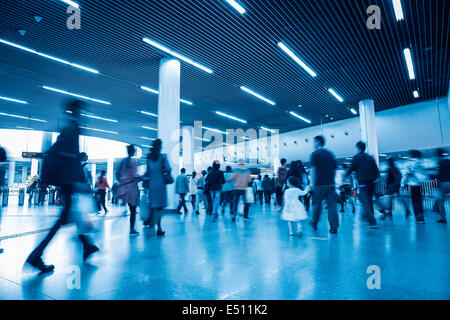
(416, 198)
(318, 196)
(331, 198)
(132, 216)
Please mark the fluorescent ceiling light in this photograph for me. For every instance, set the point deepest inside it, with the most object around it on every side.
(398, 9)
(149, 114)
(71, 3)
(299, 116)
(257, 95)
(416, 94)
(186, 102)
(236, 6)
(267, 129)
(75, 95)
(99, 118)
(214, 130)
(296, 59)
(21, 117)
(206, 140)
(150, 90)
(149, 128)
(409, 63)
(176, 55)
(353, 111)
(382, 155)
(338, 97)
(99, 130)
(48, 56)
(146, 138)
(13, 100)
(147, 146)
(24, 128)
(230, 117)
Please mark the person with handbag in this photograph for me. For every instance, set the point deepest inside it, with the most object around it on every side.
(62, 167)
(368, 176)
(157, 176)
(128, 185)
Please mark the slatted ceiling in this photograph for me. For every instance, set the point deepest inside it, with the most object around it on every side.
(329, 35)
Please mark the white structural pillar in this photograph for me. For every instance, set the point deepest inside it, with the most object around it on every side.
(188, 148)
(24, 174)
(11, 173)
(369, 127)
(34, 167)
(93, 173)
(169, 118)
(110, 171)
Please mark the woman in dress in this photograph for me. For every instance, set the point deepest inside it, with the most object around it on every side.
(293, 210)
(128, 185)
(157, 167)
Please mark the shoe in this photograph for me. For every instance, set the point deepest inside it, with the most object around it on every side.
(342, 210)
(292, 234)
(160, 233)
(133, 232)
(246, 218)
(179, 212)
(439, 221)
(39, 264)
(333, 231)
(89, 251)
(383, 217)
(233, 219)
(313, 226)
(214, 220)
(353, 210)
(187, 212)
(197, 212)
(408, 214)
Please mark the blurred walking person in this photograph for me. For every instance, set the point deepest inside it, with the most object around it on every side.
(257, 185)
(443, 182)
(293, 209)
(128, 185)
(158, 174)
(209, 203)
(101, 185)
(201, 198)
(227, 190)
(215, 179)
(62, 167)
(193, 190)
(267, 185)
(3, 164)
(323, 174)
(241, 178)
(280, 182)
(368, 176)
(393, 184)
(182, 188)
(413, 178)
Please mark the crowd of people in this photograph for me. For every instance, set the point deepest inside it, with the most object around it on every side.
(291, 189)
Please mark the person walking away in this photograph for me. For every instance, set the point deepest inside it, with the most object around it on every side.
(193, 190)
(241, 178)
(158, 174)
(393, 183)
(281, 180)
(323, 173)
(344, 183)
(267, 188)
(128, 185)
(215, 179)
(443, 178)
(209, 203)
(257, 183)
(62, 167)
(182, 188)
(368, 175)
(227, 190)
(293, 209)
(101, 185)
(201, 192)
(3, 165)
(413, 178)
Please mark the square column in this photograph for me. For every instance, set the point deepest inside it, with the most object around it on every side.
(369, 127)
(11, 173)
(110, 171)
(188, 148)
(169, 118)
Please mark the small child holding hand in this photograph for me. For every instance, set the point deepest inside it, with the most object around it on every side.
(293, 209)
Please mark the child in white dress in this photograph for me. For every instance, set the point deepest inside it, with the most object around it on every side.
(293, 210)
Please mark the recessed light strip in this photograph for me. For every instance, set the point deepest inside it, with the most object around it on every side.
(409, 63)
(71, 3)
(149, 113)
(214, 130)
(398, 9)
(230, 117)
(13, 100)
(257, 95)
(268, 130)
(146, 138)
(157, 92)
(75, 95)
(75, 65)
(99, 118)
(353, 111)
(21, 117)
(99, 130)
(299, 116)
(236, 6)
(338, 97)
(149, 128)
(177, 55)
(296, 59)
(416, 94)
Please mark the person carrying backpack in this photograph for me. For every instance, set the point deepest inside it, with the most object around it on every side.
(282, 171)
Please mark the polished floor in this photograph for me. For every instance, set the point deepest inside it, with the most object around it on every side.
(202, 260)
